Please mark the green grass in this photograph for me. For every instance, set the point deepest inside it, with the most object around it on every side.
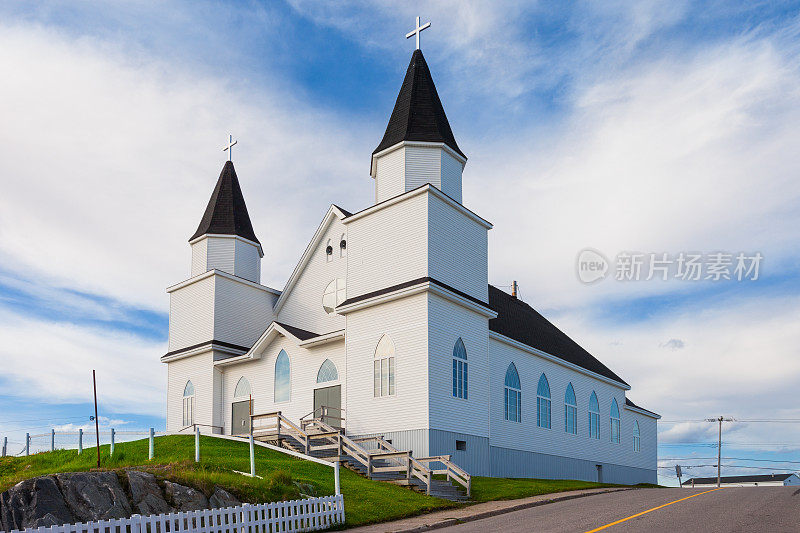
(284, 477)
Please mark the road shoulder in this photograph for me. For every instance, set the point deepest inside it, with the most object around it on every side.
(450, 517)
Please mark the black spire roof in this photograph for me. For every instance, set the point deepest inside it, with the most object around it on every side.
(226, 213)
(418, 114)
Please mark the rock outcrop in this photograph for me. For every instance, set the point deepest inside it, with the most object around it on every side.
(89, 496)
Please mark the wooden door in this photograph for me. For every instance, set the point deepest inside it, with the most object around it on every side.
(330, 397)
(240, 418)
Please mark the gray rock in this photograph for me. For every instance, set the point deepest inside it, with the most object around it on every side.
(222, 498)
(185, 498)
(146, 494)
(94, 495)
(33, 503)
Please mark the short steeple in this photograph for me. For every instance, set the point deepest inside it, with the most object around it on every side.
(226, 213)
(418, 146)
(225, 239)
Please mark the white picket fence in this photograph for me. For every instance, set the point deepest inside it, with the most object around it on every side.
(311, 514)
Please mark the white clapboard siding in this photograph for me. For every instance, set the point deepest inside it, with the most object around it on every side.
(242, 311)
(423, 165)
(390, 175)
(527, 436)
(452, 170)
(389, 246)
(191, 314)
(405, 321)
(200, 370)
(311, 514)
(303, 305)
(304, 364)
(457, 249)
(447, 322)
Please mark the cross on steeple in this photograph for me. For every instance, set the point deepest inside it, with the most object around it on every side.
(229, 147)
(418, 30)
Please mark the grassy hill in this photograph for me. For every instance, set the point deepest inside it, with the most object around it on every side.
(284, 477)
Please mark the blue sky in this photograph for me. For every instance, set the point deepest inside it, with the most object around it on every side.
(654, 127)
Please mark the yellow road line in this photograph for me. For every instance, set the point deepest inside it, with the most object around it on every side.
(651, 510)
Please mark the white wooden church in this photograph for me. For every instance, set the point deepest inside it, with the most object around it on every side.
(388, 320)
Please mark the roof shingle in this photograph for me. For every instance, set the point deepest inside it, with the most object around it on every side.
(226, 213)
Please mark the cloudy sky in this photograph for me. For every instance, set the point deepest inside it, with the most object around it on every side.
(627, 128)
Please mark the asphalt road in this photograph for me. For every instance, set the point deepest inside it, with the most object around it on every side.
(745, 509)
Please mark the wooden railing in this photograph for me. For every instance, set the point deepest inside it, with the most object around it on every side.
(451, 470)
(323, 414)
(278, 426)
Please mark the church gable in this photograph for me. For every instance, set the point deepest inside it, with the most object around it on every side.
(318, 283)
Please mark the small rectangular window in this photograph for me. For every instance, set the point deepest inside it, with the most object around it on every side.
(461, 445)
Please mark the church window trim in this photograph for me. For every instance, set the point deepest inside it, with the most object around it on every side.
(283, 378)
(513, 395)
(188, 404)
(335, 293)
(460, 371)
(637, 437)
(570, 411)
(594, 417)
(543, 403)
(327, 372)
(383, 370)
(242, 389)
(615, 422)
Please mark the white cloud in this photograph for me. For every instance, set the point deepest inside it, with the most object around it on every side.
(51, 363)
(111, 160)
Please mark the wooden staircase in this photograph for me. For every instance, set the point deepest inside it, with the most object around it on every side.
(371, 457)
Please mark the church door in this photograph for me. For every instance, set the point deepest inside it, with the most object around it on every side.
(330, 397)
(240, 418)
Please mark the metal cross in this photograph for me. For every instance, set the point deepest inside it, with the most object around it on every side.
(229, 147)
(418, 30)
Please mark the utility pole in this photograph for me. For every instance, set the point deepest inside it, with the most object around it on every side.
(678, 472)
(719, 420)
(96, 421)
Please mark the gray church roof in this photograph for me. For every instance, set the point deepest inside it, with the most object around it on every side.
(226, 213)
(521, 322)
(418, 114)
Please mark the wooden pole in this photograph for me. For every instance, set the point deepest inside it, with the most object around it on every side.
(151, 446)
(96, 421)
(111, 449)
(252, 457)
(5, 446)
(196, 444)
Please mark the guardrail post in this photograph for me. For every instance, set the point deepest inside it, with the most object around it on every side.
(337, 488)
(252, 457)
(111, 449)
(151, 445)
(27, 443)
(52, 440)
(80, 441)
(5, 446)
(408, 466)
(196, 444)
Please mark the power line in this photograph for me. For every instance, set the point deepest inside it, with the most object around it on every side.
(42, 419)
(726, 458)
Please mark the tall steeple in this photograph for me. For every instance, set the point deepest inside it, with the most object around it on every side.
(225, 239)
(418, 146)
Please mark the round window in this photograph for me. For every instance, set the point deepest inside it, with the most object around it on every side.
(334, 295)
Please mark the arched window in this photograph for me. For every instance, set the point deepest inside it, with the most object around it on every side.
(460, 370)
(329, 251)
(283, 378)
(242, 389)
(637, 445)
(594, 417)
(327, 372)
(334, 295)
(614, 421)
(343, 246)
(513, 398)
(570, 411)
(383, 369)
(188, 404)
(543, 403)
